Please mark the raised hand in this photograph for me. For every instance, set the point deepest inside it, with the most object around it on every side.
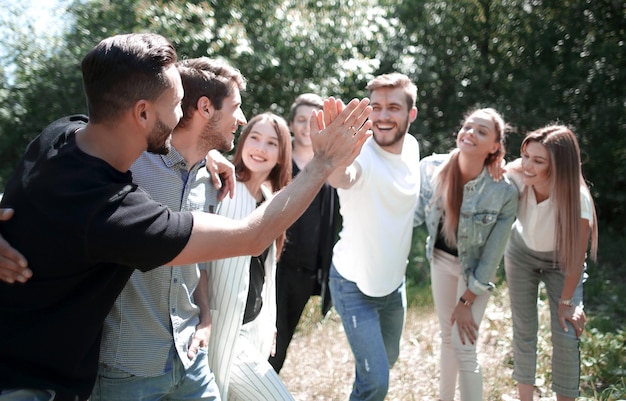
(339, 132)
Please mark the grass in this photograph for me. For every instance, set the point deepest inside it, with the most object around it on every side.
(319, 365)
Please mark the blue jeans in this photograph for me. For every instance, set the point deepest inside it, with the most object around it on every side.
(27, 395)
(195, 383)
(373, 326)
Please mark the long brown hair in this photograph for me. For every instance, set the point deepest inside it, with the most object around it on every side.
(567, 181)
(449, 184)
(280, 175)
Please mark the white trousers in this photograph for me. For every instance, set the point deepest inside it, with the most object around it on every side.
(456, 359)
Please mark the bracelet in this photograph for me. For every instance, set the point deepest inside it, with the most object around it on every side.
(566, 302)
(465, 302)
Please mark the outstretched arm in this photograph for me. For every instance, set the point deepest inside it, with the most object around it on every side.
(336, 145)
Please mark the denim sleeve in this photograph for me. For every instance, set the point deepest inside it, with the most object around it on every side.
(418, 218)
(425, 193)
(479, 281)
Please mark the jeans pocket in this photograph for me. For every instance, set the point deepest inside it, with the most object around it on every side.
(111, 374)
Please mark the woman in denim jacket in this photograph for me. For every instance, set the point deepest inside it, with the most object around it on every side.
(469, 217)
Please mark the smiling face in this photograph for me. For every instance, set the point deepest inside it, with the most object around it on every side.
(390, 117)
(300, 126)
(219, 132)
(478, 136)
(536, 166)
(261, 149)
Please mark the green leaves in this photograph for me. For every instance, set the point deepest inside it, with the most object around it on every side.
(536, 61)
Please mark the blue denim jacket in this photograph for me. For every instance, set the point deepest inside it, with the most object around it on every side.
(487, 214)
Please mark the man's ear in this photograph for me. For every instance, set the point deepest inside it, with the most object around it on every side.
(205, 107)
(142, 113)
(412, 114)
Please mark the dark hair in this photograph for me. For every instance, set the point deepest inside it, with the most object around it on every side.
(305, 99)
(204, 76)
(123, 69)
(395, 80)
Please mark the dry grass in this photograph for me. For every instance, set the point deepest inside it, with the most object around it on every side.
(319, 366)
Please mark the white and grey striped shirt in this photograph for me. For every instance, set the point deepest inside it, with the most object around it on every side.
(155, 311)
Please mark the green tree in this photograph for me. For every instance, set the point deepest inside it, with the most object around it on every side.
(283, 47)
(535, 61)
(33, 81)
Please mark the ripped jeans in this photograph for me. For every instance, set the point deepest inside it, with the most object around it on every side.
(373, 326)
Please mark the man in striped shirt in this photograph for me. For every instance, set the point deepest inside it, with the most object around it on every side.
(154, 343)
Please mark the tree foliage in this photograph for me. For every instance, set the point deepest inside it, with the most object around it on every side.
(536, 61)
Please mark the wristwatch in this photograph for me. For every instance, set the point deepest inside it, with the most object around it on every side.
(566, 302)
(465, 302)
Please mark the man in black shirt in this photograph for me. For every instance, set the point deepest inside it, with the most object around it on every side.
(303, 267)
(83, 225)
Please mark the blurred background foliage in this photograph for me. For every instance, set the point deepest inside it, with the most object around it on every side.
(536, 61)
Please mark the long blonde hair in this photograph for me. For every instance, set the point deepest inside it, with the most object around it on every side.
(567, 180)
(449, 184)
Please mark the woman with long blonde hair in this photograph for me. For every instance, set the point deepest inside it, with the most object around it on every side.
(556, 223)
(468, 216)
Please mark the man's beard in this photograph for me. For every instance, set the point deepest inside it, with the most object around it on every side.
(159, 140)
(402, 130)
(211, 138)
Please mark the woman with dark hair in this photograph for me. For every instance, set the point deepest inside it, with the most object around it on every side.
(242, 293)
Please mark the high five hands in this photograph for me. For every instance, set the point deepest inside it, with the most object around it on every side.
(339, 131)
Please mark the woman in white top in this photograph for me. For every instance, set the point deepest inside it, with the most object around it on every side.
(555, 223)
(242, 292)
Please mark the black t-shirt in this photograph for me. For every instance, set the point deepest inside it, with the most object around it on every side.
(254, 303)
(440, 242)
(83, 227)
(302, 239)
